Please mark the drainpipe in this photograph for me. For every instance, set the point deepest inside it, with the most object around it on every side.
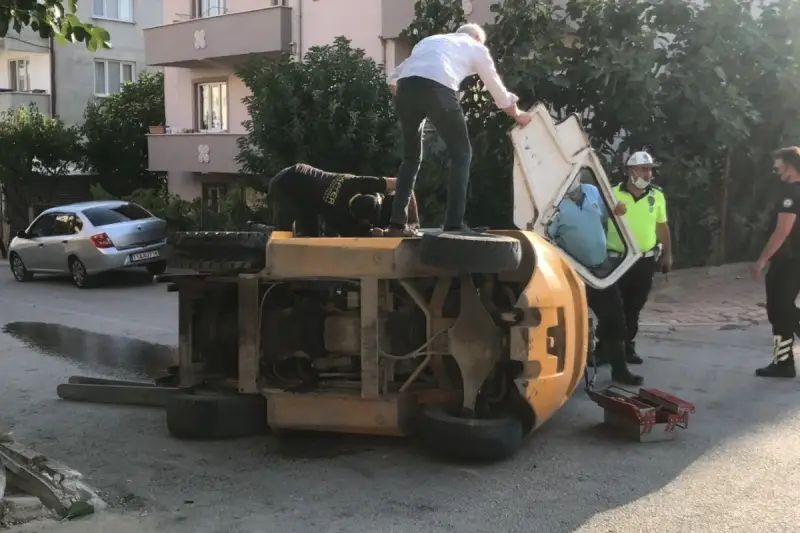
(299, 29)
(52, 79)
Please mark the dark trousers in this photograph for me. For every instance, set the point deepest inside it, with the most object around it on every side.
(782, 282)
(288, 211)
(634, 288)
(607, 306)
(418, 99)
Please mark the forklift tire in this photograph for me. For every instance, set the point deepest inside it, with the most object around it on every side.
(219, 251)
(471, 439)
(468, 252)
(209, 415)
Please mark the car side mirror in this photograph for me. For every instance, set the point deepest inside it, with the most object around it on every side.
(22, 235)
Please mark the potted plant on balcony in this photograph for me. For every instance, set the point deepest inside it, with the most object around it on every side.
(158, 130)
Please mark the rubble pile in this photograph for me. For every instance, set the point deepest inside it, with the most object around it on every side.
(33, 487)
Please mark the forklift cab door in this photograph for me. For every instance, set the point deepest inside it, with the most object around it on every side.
(557, 178)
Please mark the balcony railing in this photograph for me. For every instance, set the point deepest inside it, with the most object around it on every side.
(225, 38)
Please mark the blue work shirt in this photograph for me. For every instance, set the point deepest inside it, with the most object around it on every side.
(580, 229)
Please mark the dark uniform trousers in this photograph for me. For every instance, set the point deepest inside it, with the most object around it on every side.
(288, 212)
(634, 290)
(782, 282)
(607, 306)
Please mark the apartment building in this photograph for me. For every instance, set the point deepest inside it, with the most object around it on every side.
(63, 79)
(200, 44)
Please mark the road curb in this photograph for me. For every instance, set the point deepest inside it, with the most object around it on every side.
(59, 487)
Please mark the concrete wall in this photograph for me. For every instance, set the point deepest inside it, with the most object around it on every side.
(74, 64)
(324, 20)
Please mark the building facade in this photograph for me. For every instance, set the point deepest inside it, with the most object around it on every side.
(200, 44)
(63, 79)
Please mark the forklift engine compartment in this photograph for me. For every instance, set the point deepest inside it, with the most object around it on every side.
(469, 340)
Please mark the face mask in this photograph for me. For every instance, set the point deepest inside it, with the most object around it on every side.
(640, 183)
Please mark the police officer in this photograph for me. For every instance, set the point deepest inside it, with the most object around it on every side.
(579, 229)
(350, 205)
(782, 280)
(647, 218)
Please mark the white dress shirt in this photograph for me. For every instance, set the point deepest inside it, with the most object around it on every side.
(449, 59)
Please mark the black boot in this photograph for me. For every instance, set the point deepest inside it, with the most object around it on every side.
(782, 365)
(619, 367)
(630, 354)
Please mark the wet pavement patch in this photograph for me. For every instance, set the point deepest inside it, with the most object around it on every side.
(107, 354)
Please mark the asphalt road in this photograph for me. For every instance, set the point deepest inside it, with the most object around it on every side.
(733, 470)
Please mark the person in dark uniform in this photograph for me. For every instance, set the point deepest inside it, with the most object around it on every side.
(782, 279)
(646, 214)
(302, 196)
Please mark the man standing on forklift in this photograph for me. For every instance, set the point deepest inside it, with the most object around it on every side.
(646, 215)
(426, 86)
(782, 280)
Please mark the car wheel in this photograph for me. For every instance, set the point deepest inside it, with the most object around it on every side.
(79, 276)
(18, 269)
(157, 268)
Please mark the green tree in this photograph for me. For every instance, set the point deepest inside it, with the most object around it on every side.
(115, 132)
(36, 151)
(710, 90)
(332, 110)
(51, 18)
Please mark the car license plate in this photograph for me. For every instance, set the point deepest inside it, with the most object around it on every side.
(143, 256)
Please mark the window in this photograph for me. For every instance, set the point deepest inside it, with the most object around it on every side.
(212, 106)
(215, 195)
(113, 9)
(104, 216)
(64, 224)
(18, 75)
(43, 226)
(110, 75)
(210, 8)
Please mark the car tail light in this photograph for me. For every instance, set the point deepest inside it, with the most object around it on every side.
(102, 240)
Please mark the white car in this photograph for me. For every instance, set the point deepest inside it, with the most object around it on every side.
(89, 238)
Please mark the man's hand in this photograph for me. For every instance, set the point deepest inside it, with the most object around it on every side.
(620, 209)
(666, 263)
(522, 119)
(393, 88)
(391, 184)
(377, 232)
(756, 269)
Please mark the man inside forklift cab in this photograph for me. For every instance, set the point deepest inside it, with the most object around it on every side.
(579, 228)
(348, 205)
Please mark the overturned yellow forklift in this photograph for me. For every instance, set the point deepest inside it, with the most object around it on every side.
(469, 342)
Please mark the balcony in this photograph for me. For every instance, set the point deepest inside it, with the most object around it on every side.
(220, 40)
(194, 152)
(15, 100)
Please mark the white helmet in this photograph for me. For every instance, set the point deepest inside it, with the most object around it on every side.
(641, 159)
